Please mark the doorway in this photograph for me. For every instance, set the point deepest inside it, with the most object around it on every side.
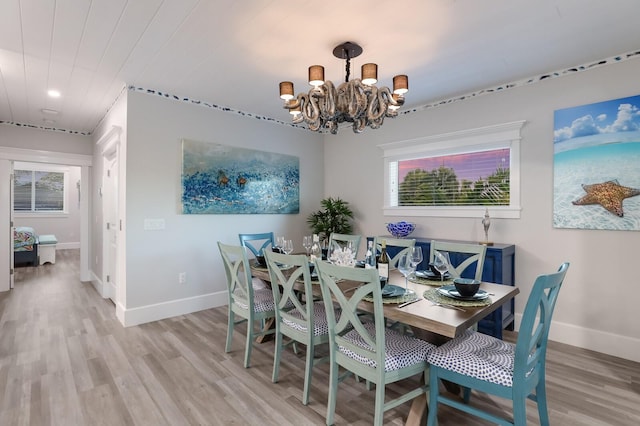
(8, 156)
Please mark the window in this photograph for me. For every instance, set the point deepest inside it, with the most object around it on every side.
(457, 174)
(39, 188)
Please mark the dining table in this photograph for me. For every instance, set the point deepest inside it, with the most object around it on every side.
(432, 317)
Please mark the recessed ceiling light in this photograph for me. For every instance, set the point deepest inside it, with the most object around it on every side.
(49, 111)
(54, 93)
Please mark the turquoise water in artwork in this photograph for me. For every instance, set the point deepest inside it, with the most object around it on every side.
(591, 160)
(220, 179)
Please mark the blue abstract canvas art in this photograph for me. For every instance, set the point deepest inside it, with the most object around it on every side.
(222, 179)
(596, 174)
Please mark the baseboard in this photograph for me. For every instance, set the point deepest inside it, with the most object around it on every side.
(159, 311)
(595, 340)
(97, 283)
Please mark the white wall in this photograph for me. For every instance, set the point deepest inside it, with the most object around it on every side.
(44, 140)
(597, 304)
(155, 127)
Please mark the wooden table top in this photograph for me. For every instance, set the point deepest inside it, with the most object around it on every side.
(424, 315)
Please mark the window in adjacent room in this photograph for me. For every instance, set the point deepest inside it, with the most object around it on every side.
(39, 188)
(458, 174)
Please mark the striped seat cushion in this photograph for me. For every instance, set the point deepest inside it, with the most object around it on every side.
(320, 325)
(400, 350)
(477, 355)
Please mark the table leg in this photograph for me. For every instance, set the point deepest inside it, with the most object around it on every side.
(419, 407)
(269, 324)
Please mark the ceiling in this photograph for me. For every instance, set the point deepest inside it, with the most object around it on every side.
(234, 53)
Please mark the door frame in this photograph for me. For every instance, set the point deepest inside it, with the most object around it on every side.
(85, 163)
(109, 145)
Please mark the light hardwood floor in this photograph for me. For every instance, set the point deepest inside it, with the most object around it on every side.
(66, 360)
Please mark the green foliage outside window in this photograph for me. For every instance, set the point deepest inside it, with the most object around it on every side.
(441, 187)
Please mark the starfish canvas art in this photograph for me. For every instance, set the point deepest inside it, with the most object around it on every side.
(596, 178)
(608, 194)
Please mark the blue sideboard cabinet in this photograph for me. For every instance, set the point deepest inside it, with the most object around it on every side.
(498, 268)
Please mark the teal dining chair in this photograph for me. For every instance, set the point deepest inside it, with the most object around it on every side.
(476, 254)
(405, 244)
(298, 316)
(487, 364)
(341, 240)
(256, 243)
(364, 347)
(250, 304)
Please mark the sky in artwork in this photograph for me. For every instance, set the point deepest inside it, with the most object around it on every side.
(614, 116)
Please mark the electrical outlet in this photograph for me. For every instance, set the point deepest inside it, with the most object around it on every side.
(182, 277)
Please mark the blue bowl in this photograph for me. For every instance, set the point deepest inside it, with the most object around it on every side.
(467, 287)
(400, 229)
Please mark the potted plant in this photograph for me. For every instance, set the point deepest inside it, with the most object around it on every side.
(335, 216)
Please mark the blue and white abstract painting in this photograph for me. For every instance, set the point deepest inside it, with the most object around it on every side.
(596, 166)
(222, 179)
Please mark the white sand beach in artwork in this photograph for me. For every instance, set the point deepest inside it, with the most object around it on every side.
(590, 165)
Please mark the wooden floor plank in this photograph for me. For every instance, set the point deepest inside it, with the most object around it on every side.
(66, 360)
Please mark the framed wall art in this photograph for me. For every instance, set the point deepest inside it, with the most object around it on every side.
(597, 166)
(222, 179)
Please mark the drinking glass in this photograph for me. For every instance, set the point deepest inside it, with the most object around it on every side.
(279, 244)
(307, 242)
(441, 262)
(352, 249)
(287, 246)
(406, 268)
(416, 257)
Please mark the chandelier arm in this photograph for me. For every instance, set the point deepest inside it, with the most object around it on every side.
(329, 104)
(379, 103)
(311, 112)
(359, 124)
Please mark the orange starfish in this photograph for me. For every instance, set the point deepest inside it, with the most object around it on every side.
(608, 194)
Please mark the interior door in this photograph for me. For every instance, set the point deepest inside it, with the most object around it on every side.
(11, 227)
(110, 197)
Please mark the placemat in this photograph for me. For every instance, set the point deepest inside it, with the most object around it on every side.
(433, 283)
(432, 295)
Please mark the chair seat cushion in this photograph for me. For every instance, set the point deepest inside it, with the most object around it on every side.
(320, 325)
(262, 300)
(400, 350)
(477, 355)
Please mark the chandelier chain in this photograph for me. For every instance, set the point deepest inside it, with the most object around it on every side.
(347, 66)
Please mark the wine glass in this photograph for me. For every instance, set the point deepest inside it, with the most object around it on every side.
(441, 262)
(279, 243)
(307, 242)
(416, 257)
(287, 246)
(352, 249)
(406, 267)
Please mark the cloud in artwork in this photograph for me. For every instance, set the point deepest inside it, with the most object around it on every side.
(627, 120)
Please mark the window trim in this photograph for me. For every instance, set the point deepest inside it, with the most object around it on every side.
(489, 137)
(41, 167)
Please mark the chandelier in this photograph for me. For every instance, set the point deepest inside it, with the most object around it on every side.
(356, 101)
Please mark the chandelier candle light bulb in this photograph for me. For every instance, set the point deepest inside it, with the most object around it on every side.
(356, 101)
